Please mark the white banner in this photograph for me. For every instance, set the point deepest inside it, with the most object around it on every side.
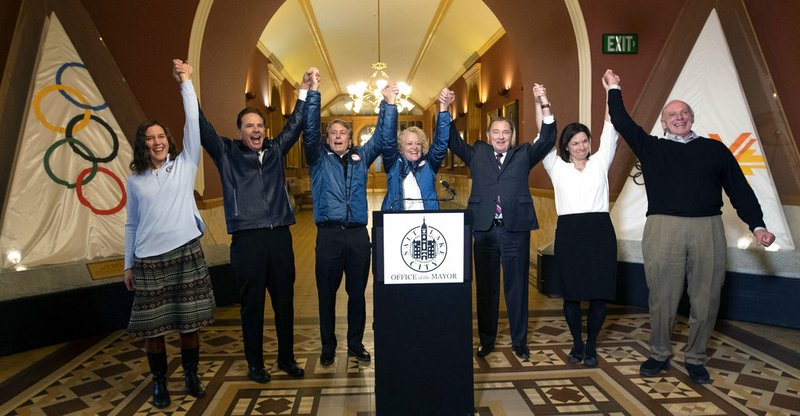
(67, 196)
(423, 247)
(710, 84)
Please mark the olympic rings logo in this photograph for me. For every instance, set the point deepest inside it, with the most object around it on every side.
(76, 124)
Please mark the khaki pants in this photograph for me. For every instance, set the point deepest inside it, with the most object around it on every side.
(674, 248)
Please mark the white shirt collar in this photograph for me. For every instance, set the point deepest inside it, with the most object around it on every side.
(675, 138)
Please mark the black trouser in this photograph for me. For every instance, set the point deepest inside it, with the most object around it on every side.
(342, 250)
(511, 249)
(262, 259)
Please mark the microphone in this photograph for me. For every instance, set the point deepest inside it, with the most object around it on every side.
(447, 187)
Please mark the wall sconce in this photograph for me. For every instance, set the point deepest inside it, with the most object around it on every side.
(271, 109)
(14, 256)
(462, 114)
(249, 95)
(479, 105)
(503, 92)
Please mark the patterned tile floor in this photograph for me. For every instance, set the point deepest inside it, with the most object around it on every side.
(108, 376)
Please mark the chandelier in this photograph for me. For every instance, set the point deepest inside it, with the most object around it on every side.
(370, 91)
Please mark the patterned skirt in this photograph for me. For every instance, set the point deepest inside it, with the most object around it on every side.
(173, 293)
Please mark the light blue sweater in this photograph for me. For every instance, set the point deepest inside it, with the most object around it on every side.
(162, 214)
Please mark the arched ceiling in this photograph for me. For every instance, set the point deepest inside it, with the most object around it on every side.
(425, 43)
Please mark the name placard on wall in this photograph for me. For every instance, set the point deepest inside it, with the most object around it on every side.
(105, 269)
(424, 247)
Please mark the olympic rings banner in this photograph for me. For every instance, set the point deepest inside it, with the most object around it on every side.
(710, 83)
(67, 196)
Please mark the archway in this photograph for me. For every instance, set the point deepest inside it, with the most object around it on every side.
(230, 37)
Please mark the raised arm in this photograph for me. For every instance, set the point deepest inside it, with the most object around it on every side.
(459, 147)
(386, 129)
(633, 134)
(311, 123)
(438, 149)
(182, 72)
(610, 136)
(609, 79)
(389, 151)
(547, 134)
(209, 138)
(537, 105)
(290, 132)
(551, 158)
(542, 104)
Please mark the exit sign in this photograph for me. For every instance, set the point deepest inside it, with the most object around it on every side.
(621, 43)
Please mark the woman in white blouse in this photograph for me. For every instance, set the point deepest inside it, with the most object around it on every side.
(585, 242)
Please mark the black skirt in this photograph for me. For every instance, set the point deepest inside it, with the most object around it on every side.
(586, 256)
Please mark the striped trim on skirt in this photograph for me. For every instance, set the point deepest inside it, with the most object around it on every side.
(173, 293)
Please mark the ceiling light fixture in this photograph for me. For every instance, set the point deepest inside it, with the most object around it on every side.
(370, 91)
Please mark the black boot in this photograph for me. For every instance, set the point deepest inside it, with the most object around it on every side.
(191, 358)
(158, 367)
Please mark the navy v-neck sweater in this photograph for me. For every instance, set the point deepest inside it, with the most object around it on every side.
(686, 179)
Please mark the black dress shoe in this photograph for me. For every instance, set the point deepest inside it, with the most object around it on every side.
(698, 373)
(575, 355)
(590, 355)
(522, 352)
(590, 358)
(291, 369)
(484, 350)
(258, 374)
(326, 358)
(651, 367)
(360, 355)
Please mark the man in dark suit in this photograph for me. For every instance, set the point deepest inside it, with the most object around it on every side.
(502, 213)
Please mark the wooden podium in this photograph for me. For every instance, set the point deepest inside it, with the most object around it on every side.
(422, 265)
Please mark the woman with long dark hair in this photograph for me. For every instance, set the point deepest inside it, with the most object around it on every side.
(164, 264)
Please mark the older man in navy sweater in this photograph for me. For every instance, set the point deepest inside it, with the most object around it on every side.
(684, 235)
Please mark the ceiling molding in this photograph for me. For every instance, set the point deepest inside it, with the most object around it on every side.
(470, 63)
(441, 11)
(316, 34)
(466, 71)
(275, 73)
(492, 40)
(473, 76)
(278, 66)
